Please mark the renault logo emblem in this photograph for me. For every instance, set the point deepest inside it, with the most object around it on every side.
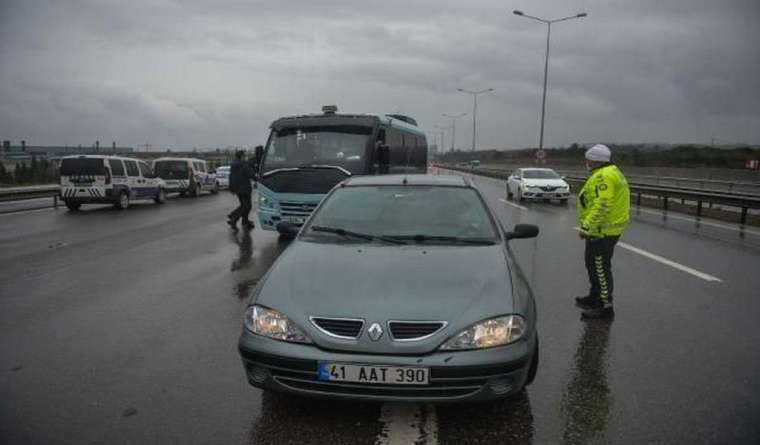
(375, 331)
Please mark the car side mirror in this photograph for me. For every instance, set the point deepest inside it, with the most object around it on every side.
(522, 231)
(288, 228)
(383, 158)
(258, 158)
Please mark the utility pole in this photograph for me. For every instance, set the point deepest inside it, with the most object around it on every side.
(474, 109)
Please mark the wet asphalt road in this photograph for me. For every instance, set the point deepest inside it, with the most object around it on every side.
(121, 327)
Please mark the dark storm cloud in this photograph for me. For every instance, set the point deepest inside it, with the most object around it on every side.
(199, 73)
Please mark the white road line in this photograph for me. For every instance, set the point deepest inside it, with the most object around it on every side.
(512, 204)
(406, 423)
(667, 262)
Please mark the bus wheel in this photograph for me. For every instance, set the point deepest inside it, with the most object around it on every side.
(73, 206)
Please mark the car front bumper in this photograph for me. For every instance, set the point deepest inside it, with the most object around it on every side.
(455, 376)
(545, 195)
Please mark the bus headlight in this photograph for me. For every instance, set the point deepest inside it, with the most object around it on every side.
(265, 201)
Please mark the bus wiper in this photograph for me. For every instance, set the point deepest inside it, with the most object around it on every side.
(349, 233)
(452, 239)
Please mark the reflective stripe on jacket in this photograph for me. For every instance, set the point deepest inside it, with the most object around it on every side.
(604, 202)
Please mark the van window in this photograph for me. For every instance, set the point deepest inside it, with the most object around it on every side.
(117, 168)
(145, 170)
(82, 166)
(171, 169)
(132, 168)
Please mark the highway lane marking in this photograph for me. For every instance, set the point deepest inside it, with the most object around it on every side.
(513, 204)
(405, 423)
(667, 262)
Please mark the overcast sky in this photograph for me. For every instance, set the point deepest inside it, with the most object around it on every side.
(216, 73)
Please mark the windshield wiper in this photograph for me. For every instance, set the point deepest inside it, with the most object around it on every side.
(349, 233)
(451, 239)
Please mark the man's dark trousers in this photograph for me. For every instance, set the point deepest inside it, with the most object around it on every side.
(599, 267)
(244, 209)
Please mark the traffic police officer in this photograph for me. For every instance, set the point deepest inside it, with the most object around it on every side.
(603, 212)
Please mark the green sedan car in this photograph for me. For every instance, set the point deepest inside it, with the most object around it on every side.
(398, 288)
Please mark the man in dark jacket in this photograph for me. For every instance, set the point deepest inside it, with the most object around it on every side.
(241, 175)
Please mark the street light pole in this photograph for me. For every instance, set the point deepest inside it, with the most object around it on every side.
(454, 118)
(474, 109)
(546, 61)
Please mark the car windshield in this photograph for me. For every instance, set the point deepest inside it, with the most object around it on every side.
(540, 174)
(82, 166)
(342, 146)
(417, 213)
(171, 169)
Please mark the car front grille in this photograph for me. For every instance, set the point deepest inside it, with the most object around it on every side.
(349, 328)
(297, 208)
(414, 330)
(549, 188)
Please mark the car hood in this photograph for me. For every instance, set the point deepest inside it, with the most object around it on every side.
(456, 284)
(545, 182)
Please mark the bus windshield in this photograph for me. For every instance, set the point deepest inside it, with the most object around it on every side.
(340, 146)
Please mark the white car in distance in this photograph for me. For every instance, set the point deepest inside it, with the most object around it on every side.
(223, 177)
(537, 183)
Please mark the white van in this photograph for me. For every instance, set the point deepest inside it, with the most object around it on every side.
(185, 175)
(94, 179)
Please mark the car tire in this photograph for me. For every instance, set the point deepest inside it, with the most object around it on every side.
(519, 195)
(509, 194)
(122, 201)
(533, 366)
(215, 190)
(73, 206)
(160, 197)
(563, 201)
(195, 189)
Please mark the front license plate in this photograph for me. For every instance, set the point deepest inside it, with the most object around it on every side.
(297, 220)
(378, 374)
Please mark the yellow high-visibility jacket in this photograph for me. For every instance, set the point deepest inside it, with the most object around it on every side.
(604, 202)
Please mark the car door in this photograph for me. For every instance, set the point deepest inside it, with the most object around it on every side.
(133, 177)
(147, 181)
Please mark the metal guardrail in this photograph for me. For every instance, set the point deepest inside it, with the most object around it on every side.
(743, 201)
(703, 184)
(33, 192)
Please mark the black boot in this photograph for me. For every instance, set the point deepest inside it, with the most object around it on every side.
(602, 312)
(587, 302)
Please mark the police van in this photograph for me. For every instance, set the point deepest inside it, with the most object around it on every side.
(93, 179)
(186, 176)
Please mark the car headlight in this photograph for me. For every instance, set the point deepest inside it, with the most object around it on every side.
(270, 323)
(488, 333)
(265, 201)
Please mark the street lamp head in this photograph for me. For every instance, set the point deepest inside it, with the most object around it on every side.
(582, 14)
(517, 12)
(459, 89)
(490, 89)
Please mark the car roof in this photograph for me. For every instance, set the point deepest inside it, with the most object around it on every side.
(538, 169)
(104, 157)
(180, 159)
(416, 179)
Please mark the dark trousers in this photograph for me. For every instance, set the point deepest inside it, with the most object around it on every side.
(243, 210)
(599, 266)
